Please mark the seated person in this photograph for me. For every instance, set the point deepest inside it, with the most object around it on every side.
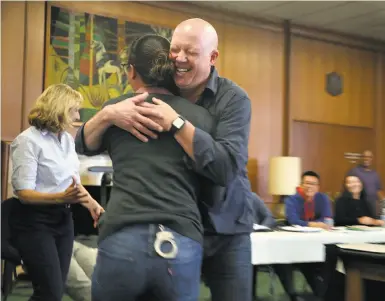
(309, 208)
(262, 214)
(263, 217)
(352, 207)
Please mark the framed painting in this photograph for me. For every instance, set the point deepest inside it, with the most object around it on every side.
(86, 51)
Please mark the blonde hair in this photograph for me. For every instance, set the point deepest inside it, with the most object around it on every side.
(51, 111)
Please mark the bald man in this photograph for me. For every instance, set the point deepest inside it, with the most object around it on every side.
(226, 201)
(370, 180)
(221, 159)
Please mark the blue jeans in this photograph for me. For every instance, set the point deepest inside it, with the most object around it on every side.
(227, 268)
(128, 268)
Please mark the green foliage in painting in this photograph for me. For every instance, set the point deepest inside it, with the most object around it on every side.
(87, 52)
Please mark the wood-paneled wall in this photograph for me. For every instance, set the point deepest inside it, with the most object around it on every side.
(323, 127)
(311, 60)
(12, 67)
(22, 57)
(380, 118)
(322, 146)
(250, 55)
(256, 64)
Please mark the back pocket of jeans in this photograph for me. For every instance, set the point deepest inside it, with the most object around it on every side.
(185, 269)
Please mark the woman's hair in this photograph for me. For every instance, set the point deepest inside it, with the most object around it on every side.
(51, 111)
(149, 54)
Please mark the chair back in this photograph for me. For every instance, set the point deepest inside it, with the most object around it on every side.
(8, 252)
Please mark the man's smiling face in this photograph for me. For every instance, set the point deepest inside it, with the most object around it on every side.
(192, 54)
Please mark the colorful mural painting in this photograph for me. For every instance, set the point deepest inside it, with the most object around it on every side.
(87, 51)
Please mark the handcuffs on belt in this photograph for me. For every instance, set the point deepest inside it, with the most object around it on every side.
(162, 237)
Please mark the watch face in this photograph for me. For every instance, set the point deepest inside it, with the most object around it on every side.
(178, 122)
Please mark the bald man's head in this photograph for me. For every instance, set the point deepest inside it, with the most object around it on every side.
(194, 48)
(367, 158)
(202, 30)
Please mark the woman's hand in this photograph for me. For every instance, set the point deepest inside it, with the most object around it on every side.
(379, 222)
(73, 194)
(365, 220)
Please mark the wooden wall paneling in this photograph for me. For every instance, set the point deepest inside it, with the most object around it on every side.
(253, 58)
(34, 56)
(6, 168)
(286, 111)
(330, 36)
(13, 16)
(218, 14)
(322, 148)
(252, 172)
(311, 61)
(380, 118)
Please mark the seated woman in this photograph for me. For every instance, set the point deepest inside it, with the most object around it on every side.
(45, 180)
(154, 196)
(352, 207)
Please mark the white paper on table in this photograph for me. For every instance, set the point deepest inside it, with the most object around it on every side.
(257, 227)
(297, 228)
(363, 228)
(373, 248)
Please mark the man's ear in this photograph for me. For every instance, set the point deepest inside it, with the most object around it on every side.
(213, 57)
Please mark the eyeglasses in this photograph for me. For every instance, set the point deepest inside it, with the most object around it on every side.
(310, 183)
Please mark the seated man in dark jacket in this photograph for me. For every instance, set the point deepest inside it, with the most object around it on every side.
(262, 214)
(262, 217)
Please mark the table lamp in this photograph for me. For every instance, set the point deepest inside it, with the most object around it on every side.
(284, 175)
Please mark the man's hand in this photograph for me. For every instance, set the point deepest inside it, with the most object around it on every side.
(132, 116)
(319, 225)
(167, 114)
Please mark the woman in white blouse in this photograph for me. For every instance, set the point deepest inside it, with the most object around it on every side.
(45, 180)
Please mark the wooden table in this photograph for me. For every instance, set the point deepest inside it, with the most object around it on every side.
(361, 265)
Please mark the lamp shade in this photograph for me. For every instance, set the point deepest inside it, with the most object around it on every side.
(284, 175)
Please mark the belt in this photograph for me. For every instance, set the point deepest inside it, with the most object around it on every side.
(50, 205)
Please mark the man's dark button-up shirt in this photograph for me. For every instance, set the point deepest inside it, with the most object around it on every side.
(222, 158)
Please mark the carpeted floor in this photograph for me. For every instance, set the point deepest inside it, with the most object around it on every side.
(22, 293)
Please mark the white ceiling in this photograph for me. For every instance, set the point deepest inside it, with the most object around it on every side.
(363, 18)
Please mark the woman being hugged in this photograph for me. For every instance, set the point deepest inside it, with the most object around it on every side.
(45, 180)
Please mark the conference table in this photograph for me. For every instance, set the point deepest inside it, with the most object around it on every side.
(298, 247)
(267, 247)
